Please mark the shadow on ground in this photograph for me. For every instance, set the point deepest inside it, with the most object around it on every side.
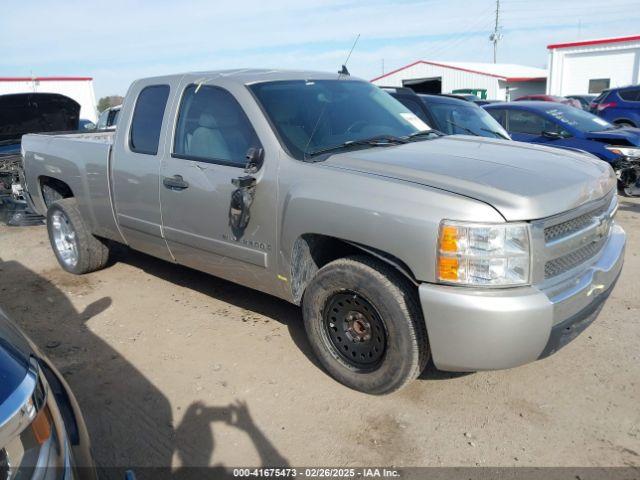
(269, 306)
(130, 421)
(248, 299)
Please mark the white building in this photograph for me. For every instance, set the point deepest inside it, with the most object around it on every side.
(501, 81)
(79, 89)
(591, 66)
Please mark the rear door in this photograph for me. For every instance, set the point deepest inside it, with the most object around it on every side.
(136, 168)
(211, 138)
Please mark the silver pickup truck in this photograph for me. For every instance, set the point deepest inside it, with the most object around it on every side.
(399, 243)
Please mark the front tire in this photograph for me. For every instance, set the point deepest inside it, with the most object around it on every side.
(364, 324)
(76, 249)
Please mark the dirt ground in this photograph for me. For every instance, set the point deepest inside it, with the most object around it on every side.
(171, 366)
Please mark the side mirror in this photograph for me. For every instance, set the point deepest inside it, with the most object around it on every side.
(552, 135)
(255, 159)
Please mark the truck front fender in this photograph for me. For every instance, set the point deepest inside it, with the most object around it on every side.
(392, 218)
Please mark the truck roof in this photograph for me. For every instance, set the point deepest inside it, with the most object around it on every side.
(253, 75)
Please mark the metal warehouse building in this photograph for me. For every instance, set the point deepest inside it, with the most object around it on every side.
(593, 65)
(79, 89)
(501, 81)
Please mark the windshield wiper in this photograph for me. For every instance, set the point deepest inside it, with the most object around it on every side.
(424, 133)
(468, 130)
(496, 133)
(377, 141)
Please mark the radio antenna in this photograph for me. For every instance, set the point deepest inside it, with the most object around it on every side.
(343, 70)
(342, 73)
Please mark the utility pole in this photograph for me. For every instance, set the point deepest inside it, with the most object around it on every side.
(496, 36)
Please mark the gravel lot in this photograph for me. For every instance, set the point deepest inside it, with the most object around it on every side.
(173, 367)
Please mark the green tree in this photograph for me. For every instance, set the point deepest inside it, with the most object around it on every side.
(110, 101)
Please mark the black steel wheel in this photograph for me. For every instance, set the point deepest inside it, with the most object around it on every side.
(356, 330)
(365, 325)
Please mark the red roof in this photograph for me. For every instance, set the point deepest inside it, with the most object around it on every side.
(45, 79)
(599, 41)
(508, 79)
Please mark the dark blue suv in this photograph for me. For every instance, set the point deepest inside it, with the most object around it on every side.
(620, 106)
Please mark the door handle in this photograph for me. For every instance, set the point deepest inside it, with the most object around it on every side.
(175, 183)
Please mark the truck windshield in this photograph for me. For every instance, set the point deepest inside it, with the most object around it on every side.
(315, 116)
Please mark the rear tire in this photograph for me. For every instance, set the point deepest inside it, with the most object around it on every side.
(364, 324)
(76, 249)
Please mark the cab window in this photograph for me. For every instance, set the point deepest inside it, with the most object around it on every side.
(147, 119)
(212, 127)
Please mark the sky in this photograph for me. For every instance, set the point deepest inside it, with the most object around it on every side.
(118, 41)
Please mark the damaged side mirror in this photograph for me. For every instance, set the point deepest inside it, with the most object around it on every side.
(255, 159)
(242, 197)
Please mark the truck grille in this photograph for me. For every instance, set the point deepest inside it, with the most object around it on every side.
(572, 226)
(563, 264)
(574, 241)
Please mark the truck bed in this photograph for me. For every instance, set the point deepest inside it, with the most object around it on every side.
(81, 161)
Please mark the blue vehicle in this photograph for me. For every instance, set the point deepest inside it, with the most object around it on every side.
(563, 126)
(42, 431)
(620, 106)
(449, 114)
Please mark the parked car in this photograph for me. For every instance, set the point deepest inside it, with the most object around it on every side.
(42, 431)
(550, 98)
(85, 124)
(469, 97)
(620, 106)
(321, 189)
(23, 113)
(449, 115)
(585, 100)
(108, 119)
(478, 93)
(566, 127)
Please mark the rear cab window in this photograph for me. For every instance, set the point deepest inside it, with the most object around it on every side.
(212, 127)
(144, 135)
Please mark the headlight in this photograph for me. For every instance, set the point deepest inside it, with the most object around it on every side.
(29, 440)
(486, 255)
(631, 152)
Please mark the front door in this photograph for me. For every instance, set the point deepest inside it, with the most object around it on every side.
(211, 140)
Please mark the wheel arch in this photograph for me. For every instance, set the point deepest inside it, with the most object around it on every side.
(312, 251)
(59, 186)
(618, 121)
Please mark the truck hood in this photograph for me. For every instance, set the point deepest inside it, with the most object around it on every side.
(520, 180)
(619, 136)
(23, 113)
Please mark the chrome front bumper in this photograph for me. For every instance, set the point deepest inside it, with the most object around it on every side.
(478, 329)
